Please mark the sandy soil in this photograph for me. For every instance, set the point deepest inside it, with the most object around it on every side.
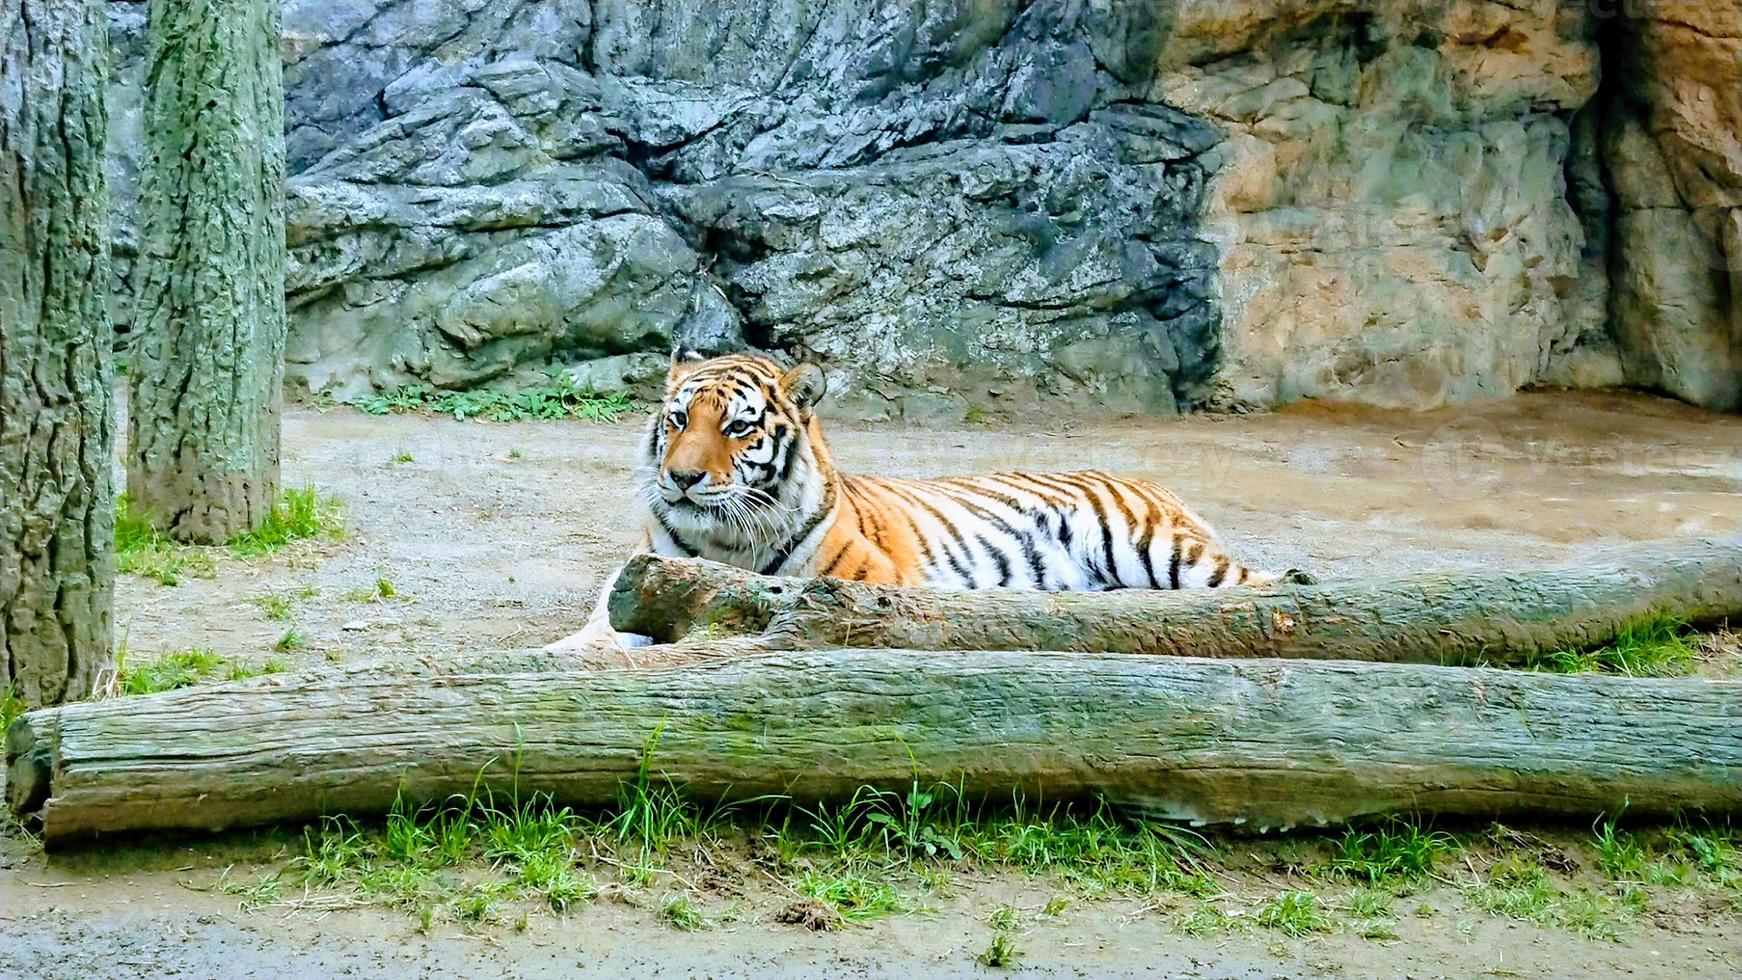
(497, 535)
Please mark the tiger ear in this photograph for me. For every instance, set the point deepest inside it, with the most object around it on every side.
(683, 358)
(805, 384)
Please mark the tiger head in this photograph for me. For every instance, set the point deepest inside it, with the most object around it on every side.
(734, 435)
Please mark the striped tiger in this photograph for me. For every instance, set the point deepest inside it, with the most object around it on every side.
(735, 469)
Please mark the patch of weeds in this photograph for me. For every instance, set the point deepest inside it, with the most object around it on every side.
(381, 591)
(855, 893)
(1714, 850)
(1001, 952)
(167, 672)
(1395, 848)
(1098, 852)
(241, 672)
(1055, 907)
(334, 855)
(558, 398)
(935, 879)
(299, 514)
(682, 913)
(1653, 648)
(475, 905)
(141, 549)
(514, 455)
(651, 815)
(1205, 920)
(563, 889)
(1373, 914)
(274, 606)
(1622, 857)
(1005, 917)
(256, 895)
(1519, 888)
(975, 415)
(11, 706)
(403, 457)
(291, 640)
(1293, 913)
(637, 874)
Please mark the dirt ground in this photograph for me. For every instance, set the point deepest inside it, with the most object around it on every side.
(497, 535)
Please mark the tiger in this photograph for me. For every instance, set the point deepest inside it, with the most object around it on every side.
(734, 468)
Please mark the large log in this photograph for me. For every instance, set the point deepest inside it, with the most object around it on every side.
(1471, 619)
(1268, 743)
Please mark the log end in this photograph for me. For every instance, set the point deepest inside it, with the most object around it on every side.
(30, 750)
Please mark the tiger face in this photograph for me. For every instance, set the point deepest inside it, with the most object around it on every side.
(730, 434)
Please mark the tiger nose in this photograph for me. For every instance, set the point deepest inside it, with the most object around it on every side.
(684, 479)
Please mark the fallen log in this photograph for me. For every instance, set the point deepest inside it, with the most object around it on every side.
(1269, 743)
(1470, 619)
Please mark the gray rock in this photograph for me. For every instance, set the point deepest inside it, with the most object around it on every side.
(968, 205)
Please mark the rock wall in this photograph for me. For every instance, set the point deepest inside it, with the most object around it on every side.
(987, 203)
(1673, 140)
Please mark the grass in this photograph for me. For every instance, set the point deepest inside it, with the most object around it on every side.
(1205, 920)
(382, 590)
(169, 671)
(1705, 853)
(1654, 648)
(183, 668)
(11, 706)
(558, 398)
(299, 514)
(275, 606)
(1394, 848)
(291, 640)
(1294, 913)
(480, 859)
(141, 549)
(1518, 887)
(680, 911)
(144, 550)
(1001, 952)
(856, 893)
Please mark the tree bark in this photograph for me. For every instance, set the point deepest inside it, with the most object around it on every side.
(208, 366)
(57, 570)
(1468, 619)
(1268, 743)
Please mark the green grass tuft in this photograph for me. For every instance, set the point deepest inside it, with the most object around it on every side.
(1519, 888)
(1392, 849)
(680, 911)
(300, 514)
(274, 606)
(558, 398)
(856, 893)
(1654, 648)
(168, 672)
(11, 706)
(1001, 952)
(141, 549)
(1295, 913)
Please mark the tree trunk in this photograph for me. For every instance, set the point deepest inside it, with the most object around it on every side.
(1268, 743)
(1466, 619)
(57, 567)
(208, 366)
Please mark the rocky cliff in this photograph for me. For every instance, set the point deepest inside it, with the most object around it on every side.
(1131, 206)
